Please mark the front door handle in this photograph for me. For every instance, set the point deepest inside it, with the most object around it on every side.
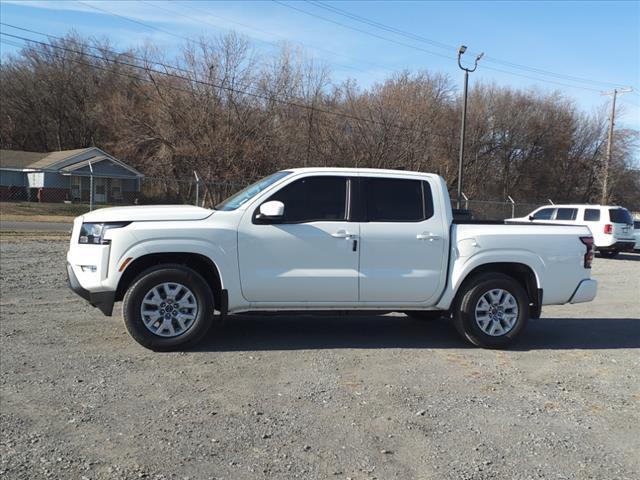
(343, 234)
(428, 236)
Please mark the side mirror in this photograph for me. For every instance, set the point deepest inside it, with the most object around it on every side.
(270, 212)
(531, 218)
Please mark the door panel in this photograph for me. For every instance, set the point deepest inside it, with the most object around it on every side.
(402, 258)
(298, 262)
(310, 256)
(396, 265)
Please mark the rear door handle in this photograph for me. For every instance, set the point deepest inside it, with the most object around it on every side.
(343, 234)
(428, 236)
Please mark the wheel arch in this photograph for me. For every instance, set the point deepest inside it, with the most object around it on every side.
(522, 273)
(195, 261)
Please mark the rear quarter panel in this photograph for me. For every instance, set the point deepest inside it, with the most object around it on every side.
(554, 253)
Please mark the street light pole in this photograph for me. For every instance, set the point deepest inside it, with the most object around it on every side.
(463, 127)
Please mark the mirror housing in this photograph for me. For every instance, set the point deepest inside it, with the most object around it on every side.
(270, 212)
(531, 218)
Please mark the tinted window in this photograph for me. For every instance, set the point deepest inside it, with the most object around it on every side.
(620, 215)
(636, 225)
(395, 200)
(592, 215)
(566, 214)
(544, 214)
(314, 198)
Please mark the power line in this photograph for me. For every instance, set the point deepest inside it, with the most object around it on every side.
(144, 24)
(210, 84)
(362, 31)
(124, 54)
(428, 51)
(420, 38)
(201, 20)
(133, 20)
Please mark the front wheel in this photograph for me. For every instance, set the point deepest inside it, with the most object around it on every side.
(168, 307)
(493, 310)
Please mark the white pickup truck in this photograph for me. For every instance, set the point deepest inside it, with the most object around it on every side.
(318, 239)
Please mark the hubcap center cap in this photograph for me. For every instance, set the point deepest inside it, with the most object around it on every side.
(169, 309)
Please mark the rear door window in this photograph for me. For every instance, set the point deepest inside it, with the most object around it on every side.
(397, 200)
(620, 215)
(592, 215)
(544, 214)
(566, 214)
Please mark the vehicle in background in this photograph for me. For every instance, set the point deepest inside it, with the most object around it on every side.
(636, 234)
(611, 226)
(327, 239)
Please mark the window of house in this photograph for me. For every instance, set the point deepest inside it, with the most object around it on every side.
(76, 188)
(116, 188)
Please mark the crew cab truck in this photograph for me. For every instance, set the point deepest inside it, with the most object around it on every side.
(322, 239)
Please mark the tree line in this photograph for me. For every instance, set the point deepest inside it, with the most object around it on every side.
(221, 109)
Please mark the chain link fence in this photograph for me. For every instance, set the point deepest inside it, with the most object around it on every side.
(50, 192)
(496, 210)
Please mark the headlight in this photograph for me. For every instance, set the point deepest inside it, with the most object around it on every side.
(93, 233)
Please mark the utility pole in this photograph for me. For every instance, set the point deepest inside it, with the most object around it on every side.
(463, 128)
(605, 180)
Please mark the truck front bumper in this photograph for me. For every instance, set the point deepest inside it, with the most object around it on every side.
(102, 300)
(585, 292)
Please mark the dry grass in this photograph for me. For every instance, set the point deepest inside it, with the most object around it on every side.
(40, 212)
(10, 236)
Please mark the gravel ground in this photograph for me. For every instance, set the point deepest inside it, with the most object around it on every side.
(357, 397)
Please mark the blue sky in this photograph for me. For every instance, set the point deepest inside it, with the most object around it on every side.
(597, 42)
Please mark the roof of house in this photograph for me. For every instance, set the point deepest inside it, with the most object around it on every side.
(19, 159)
(60, 160)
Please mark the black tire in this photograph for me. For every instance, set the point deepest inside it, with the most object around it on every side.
(425, 315)
(609, 253)
(464, 315)
(131, 309)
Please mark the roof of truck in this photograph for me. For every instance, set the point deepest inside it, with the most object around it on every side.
(358, 170)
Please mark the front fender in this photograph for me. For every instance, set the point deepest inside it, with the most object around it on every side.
(224, 259)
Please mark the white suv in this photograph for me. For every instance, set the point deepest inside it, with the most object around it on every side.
(611, 226)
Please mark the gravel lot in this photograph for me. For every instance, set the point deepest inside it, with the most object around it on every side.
(357, 397)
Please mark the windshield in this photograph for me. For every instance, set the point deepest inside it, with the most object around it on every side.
(246, 194)
(620, 215)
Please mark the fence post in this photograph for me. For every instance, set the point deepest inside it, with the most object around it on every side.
(466, 201)
(90, 186)
(513, 206)
(195, 174)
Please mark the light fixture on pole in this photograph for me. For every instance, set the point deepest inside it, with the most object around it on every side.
(461, 50)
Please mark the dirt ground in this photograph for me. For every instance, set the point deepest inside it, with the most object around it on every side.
(282, 397)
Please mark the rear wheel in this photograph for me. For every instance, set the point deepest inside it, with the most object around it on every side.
(609, 253)
(493, 310)
(168, 307)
